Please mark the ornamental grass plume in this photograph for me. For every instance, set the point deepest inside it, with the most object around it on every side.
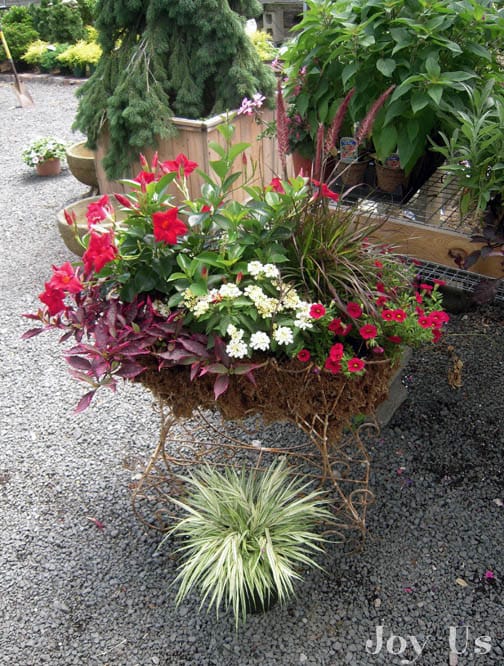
(282, 122)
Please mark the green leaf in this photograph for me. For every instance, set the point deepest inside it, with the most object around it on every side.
(419, 100)
(458, 76)
(435, 93)
(217, 148)
(432, 67)
(386, 141)
(220, 167)
(386, 66)
(348, 72)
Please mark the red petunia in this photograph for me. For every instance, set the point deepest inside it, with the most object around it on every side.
(418, 298)
(167, 226)
(354, 310)
(317, 310)
(336, 352)
(355, 364)
(98, 211)
(380, 287)
(332, 366)
(181, 165)
(64, 278)
(378, 264)
(336, 326)
(276, 185)
(396, 339)
(387, 315)
(101, 250)
(381, 300)
(426, 287)
(303, 355)
(368, 331)
(440, 283)
(53, 299)
(438, 318)
(399, 315)
(424, 321)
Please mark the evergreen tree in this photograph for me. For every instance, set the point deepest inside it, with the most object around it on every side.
(189, 58)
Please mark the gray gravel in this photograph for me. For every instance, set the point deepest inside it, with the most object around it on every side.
(74, 593)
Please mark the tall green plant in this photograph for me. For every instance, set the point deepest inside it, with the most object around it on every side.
(431, 51)
(162, 59)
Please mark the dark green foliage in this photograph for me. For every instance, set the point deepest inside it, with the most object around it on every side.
(49, 60)
(18, 30)
(87, 10)
(189, 58)
(57, 22)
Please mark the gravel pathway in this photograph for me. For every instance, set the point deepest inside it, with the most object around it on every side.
(75, 593)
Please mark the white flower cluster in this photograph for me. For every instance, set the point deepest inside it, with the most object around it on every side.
(266, 306)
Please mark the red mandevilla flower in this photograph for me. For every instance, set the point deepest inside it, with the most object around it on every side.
(53, 299)
(324, 191)
(144, 178)
(124, 201)
(98, 211)
(181, 164)
(332, 366)
(71, 218)
(317, 310)
(276, 185)
(354, 310)
(355, 364)
(64, 278)
(101, 250)
(167, 226)
(368, 331)
(303, 355)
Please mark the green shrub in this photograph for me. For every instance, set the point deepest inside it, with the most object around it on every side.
(49, 60)
(87, 11)
(35, 51)
(57, 22)
(19, 32)
(80, 55)
(263, 45)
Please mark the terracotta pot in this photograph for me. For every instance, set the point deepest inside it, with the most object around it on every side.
(49, 167)
(390, 179)
(299, 162)
(81, 162)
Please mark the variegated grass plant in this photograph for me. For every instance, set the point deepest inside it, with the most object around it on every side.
(246, 536)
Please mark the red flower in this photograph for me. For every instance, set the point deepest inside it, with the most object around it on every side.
(368, 331)
(167, 226)
(355, 364)
(64, 278)
(436, 335)
(426, 287)
(101, 250)
(98, 211)
(424, 321)
(354, 310)
(399, 315)
(380, 287)
(388, 315)
(53, 298)
(336, 352)
(276, 185)
(71, 218)
(325, 191)
(336, 327)
(124, 201)
(332, 366)
(438, 318)
(317, 311)
(206, 209)
(144, 178)
(381, 300)
(303, 356)
(440, 283)
(418, 297)
(181, 164)
(395, 339)
(378, 264)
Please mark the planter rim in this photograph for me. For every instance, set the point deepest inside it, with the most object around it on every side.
(203, 125)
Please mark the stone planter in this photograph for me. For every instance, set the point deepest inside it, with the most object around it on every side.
(81, 162)
(79, 208)
(193, 140)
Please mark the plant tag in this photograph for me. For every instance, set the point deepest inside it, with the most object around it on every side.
(348, 148)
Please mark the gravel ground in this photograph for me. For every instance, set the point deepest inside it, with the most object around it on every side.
(74, 593)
